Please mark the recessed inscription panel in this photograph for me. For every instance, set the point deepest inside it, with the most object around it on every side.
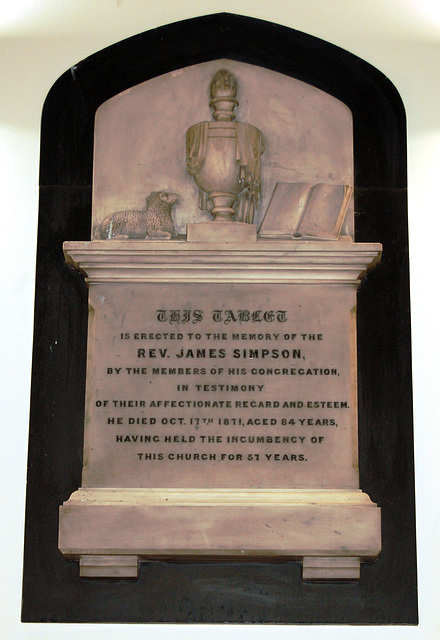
(220, 386)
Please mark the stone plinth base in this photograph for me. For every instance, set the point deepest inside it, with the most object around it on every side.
(110, 530)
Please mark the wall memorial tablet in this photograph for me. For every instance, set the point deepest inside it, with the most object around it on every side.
(221, 400)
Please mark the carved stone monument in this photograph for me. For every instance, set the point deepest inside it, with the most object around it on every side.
(221, 400)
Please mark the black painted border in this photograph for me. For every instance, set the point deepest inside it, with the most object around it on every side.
(221, 591)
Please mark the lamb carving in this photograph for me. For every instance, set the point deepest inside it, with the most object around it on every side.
(154, 221)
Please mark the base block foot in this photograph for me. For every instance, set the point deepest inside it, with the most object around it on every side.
(101, 566)
(331, 568)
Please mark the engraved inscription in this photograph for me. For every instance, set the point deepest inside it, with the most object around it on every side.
(220, 393)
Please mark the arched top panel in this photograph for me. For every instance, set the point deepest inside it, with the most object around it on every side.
(140, 137)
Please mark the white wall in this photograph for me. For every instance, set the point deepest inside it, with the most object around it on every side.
(39, 40)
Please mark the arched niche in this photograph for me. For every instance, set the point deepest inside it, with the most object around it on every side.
(387, 592)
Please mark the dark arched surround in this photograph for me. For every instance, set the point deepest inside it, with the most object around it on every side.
(221, 592)
(379, 118)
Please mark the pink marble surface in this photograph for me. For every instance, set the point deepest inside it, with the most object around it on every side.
(141, 333)
(140, 137)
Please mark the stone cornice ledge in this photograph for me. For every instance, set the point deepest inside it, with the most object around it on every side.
(268, 261)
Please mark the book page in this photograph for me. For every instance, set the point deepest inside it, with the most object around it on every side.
(285, 209)
(325, 211)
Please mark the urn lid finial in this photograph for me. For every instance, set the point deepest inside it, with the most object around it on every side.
(223, 91)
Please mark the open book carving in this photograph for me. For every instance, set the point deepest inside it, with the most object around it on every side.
(306, 210)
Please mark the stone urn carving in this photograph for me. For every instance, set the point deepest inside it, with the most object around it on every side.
(223, 157)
